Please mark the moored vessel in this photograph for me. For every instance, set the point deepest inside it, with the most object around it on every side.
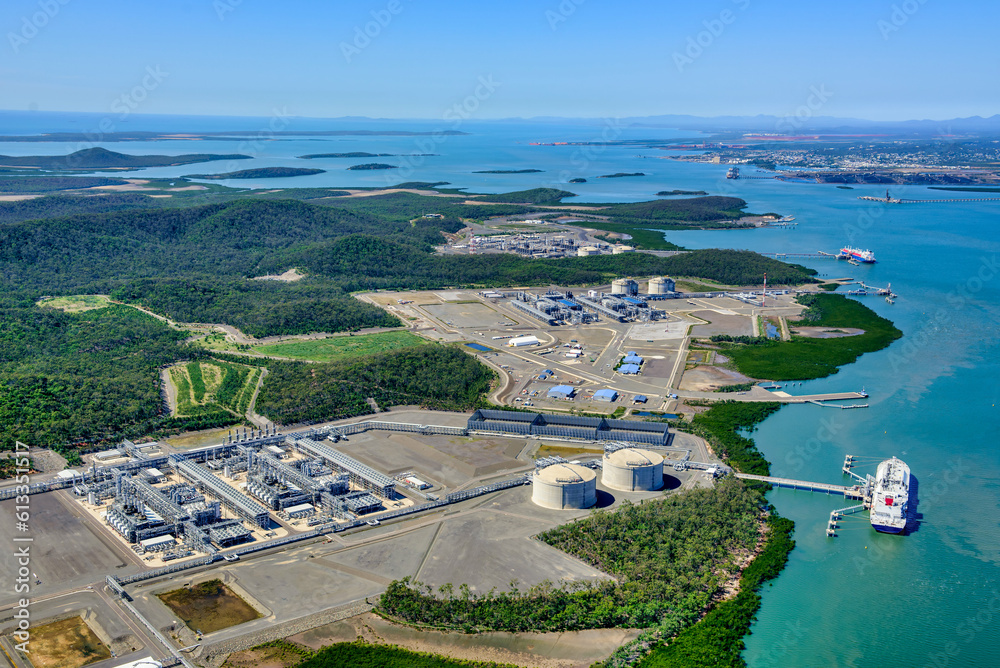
(890, 496)
(850, 253)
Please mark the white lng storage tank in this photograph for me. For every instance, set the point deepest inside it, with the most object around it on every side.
(633, 470)
(564, 487)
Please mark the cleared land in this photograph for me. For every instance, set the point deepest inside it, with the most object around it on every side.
(209, 606)
(68, 643)
(66, 551)
(210, 386)
(76, 303)
(340, 347)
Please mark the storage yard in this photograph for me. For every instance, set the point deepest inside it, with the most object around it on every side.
(615, 346)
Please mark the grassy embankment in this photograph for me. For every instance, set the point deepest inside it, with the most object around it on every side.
(805, 358)
(340, 347)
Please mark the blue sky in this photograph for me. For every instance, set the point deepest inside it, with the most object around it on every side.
(877, 59)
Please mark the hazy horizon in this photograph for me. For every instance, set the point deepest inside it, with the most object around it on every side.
(396, 59)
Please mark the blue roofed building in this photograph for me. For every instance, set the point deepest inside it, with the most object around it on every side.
(629, 369)
(605, 395)
(561, 392)
(640, 399)
(632, 358)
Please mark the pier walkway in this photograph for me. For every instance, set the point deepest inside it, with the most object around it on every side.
(757, 393)
(853, 492)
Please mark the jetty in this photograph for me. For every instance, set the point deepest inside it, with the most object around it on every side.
(862, 491)
(843, 406)
(850, 492)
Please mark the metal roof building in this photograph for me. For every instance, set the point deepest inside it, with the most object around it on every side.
(568, 426)
(561, 392)
(632, 358)
(519, 341)
(629, 369)
(605, 395)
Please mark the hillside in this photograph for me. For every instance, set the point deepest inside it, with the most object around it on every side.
(101, 158)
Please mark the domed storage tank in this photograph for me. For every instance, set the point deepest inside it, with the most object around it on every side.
(564, 487)
(633, 470)
(661, 285)
(624, 286)
(621, 248)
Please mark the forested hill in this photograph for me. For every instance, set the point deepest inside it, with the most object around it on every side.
(96, 252)
(101, 158)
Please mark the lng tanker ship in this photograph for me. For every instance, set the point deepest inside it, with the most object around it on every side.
(890, 496)
(851, 253)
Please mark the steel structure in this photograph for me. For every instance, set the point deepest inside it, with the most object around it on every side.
(361, 475)
(232, 499)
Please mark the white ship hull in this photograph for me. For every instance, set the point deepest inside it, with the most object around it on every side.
(890, 496)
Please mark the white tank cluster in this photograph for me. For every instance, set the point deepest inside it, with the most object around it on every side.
(633, 470)
(661, 285)
(564, 487)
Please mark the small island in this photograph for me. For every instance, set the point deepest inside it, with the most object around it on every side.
(363, 154)
(101, 158)
(668, 193)
(578, 180)
(373, 165)
(259, 173)
(618, 175)
(351, 154)
(508, 171)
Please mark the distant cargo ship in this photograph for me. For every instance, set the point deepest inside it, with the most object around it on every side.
(890, 496)
(851, 253)
(733, 173)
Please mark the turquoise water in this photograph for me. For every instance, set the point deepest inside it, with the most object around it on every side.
(930, 598)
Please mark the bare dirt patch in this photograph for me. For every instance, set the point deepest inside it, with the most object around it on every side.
(826, 332)
(289, 276)
(16, 198)
(704, 378)
(208, 606)
(133, 184)
(68, 643)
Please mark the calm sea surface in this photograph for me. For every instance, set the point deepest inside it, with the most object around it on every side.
(929, 598)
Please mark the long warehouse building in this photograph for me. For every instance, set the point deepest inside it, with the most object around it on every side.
(362, 475)
(226, 493)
